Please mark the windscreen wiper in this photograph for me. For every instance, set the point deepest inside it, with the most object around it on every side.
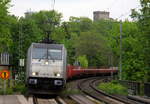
(43, 57)
(51, 57)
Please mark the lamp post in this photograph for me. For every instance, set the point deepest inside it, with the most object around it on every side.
(120, 50)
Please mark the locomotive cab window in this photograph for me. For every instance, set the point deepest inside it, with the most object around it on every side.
(39, 53)
(43, 53)
(55, 54)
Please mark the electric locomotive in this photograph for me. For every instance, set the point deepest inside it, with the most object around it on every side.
(46, 68)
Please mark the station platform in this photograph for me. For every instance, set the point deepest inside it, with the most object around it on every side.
(13, 99)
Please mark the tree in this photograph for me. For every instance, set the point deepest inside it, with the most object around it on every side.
(83, 61)
(133, 64)
(46, 21)
(109, 29)
(143, 22)
(5, 35)
(90, 44)
(71, 30)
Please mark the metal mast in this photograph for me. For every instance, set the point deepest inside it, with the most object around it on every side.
(120, 50)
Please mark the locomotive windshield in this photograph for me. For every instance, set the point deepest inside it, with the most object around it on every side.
(43, 53)
(54, 54)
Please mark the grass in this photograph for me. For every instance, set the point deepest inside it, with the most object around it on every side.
(113, 88)
(69, 90)
(18, 88)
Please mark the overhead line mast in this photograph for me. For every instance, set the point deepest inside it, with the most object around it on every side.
(120, 64)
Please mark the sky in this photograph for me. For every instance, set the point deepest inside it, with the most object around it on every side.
(119, 9)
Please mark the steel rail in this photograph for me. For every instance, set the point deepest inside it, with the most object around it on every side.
(93, 85)
(84, 86)
(37, 100)
(88, 87)
(81, 99)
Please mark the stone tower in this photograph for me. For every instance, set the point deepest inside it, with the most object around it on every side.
(98, 15)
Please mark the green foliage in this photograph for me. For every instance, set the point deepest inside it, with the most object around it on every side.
(144, 26)
(4, 5)
(9, 91)
(1, 92)
(5, 33)
(114, 81)
(133, 63)
(143, 23)
(89, 43)
(113, 88)
(92, 45)
(45, 20)
(83, 61)
(20, 88)
(67, 92)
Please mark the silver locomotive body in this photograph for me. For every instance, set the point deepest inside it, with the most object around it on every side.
(46, 67)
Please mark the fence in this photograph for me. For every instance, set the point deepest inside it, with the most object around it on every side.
(136, 88)
(4, 59)
(133, 87)
(147, 89)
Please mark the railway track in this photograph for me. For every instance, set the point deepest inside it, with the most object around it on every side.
(88, 86)
(41, 100)
(81, 99)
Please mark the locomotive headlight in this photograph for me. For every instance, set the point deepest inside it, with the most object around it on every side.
(46, 62)
(58, 75)
(33, 73)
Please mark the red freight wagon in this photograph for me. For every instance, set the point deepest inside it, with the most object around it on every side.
(73, 71)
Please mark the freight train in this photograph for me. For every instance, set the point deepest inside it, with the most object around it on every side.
(47, 71)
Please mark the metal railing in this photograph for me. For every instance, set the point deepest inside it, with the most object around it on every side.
(147, 89)
(4, 58)
(133, 87)
(136, 88)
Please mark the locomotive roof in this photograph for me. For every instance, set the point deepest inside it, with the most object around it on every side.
(43, 45)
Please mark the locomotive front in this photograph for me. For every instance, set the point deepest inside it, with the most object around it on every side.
(46, 67)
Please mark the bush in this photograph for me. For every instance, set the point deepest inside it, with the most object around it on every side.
(20, 88)
(113, 88)
(1, 92)
(8, 91)
(83, 61)
(114, 81)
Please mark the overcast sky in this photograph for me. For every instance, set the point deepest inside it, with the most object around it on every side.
(76, 8)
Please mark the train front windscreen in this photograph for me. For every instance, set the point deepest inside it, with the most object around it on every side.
(44, 53)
